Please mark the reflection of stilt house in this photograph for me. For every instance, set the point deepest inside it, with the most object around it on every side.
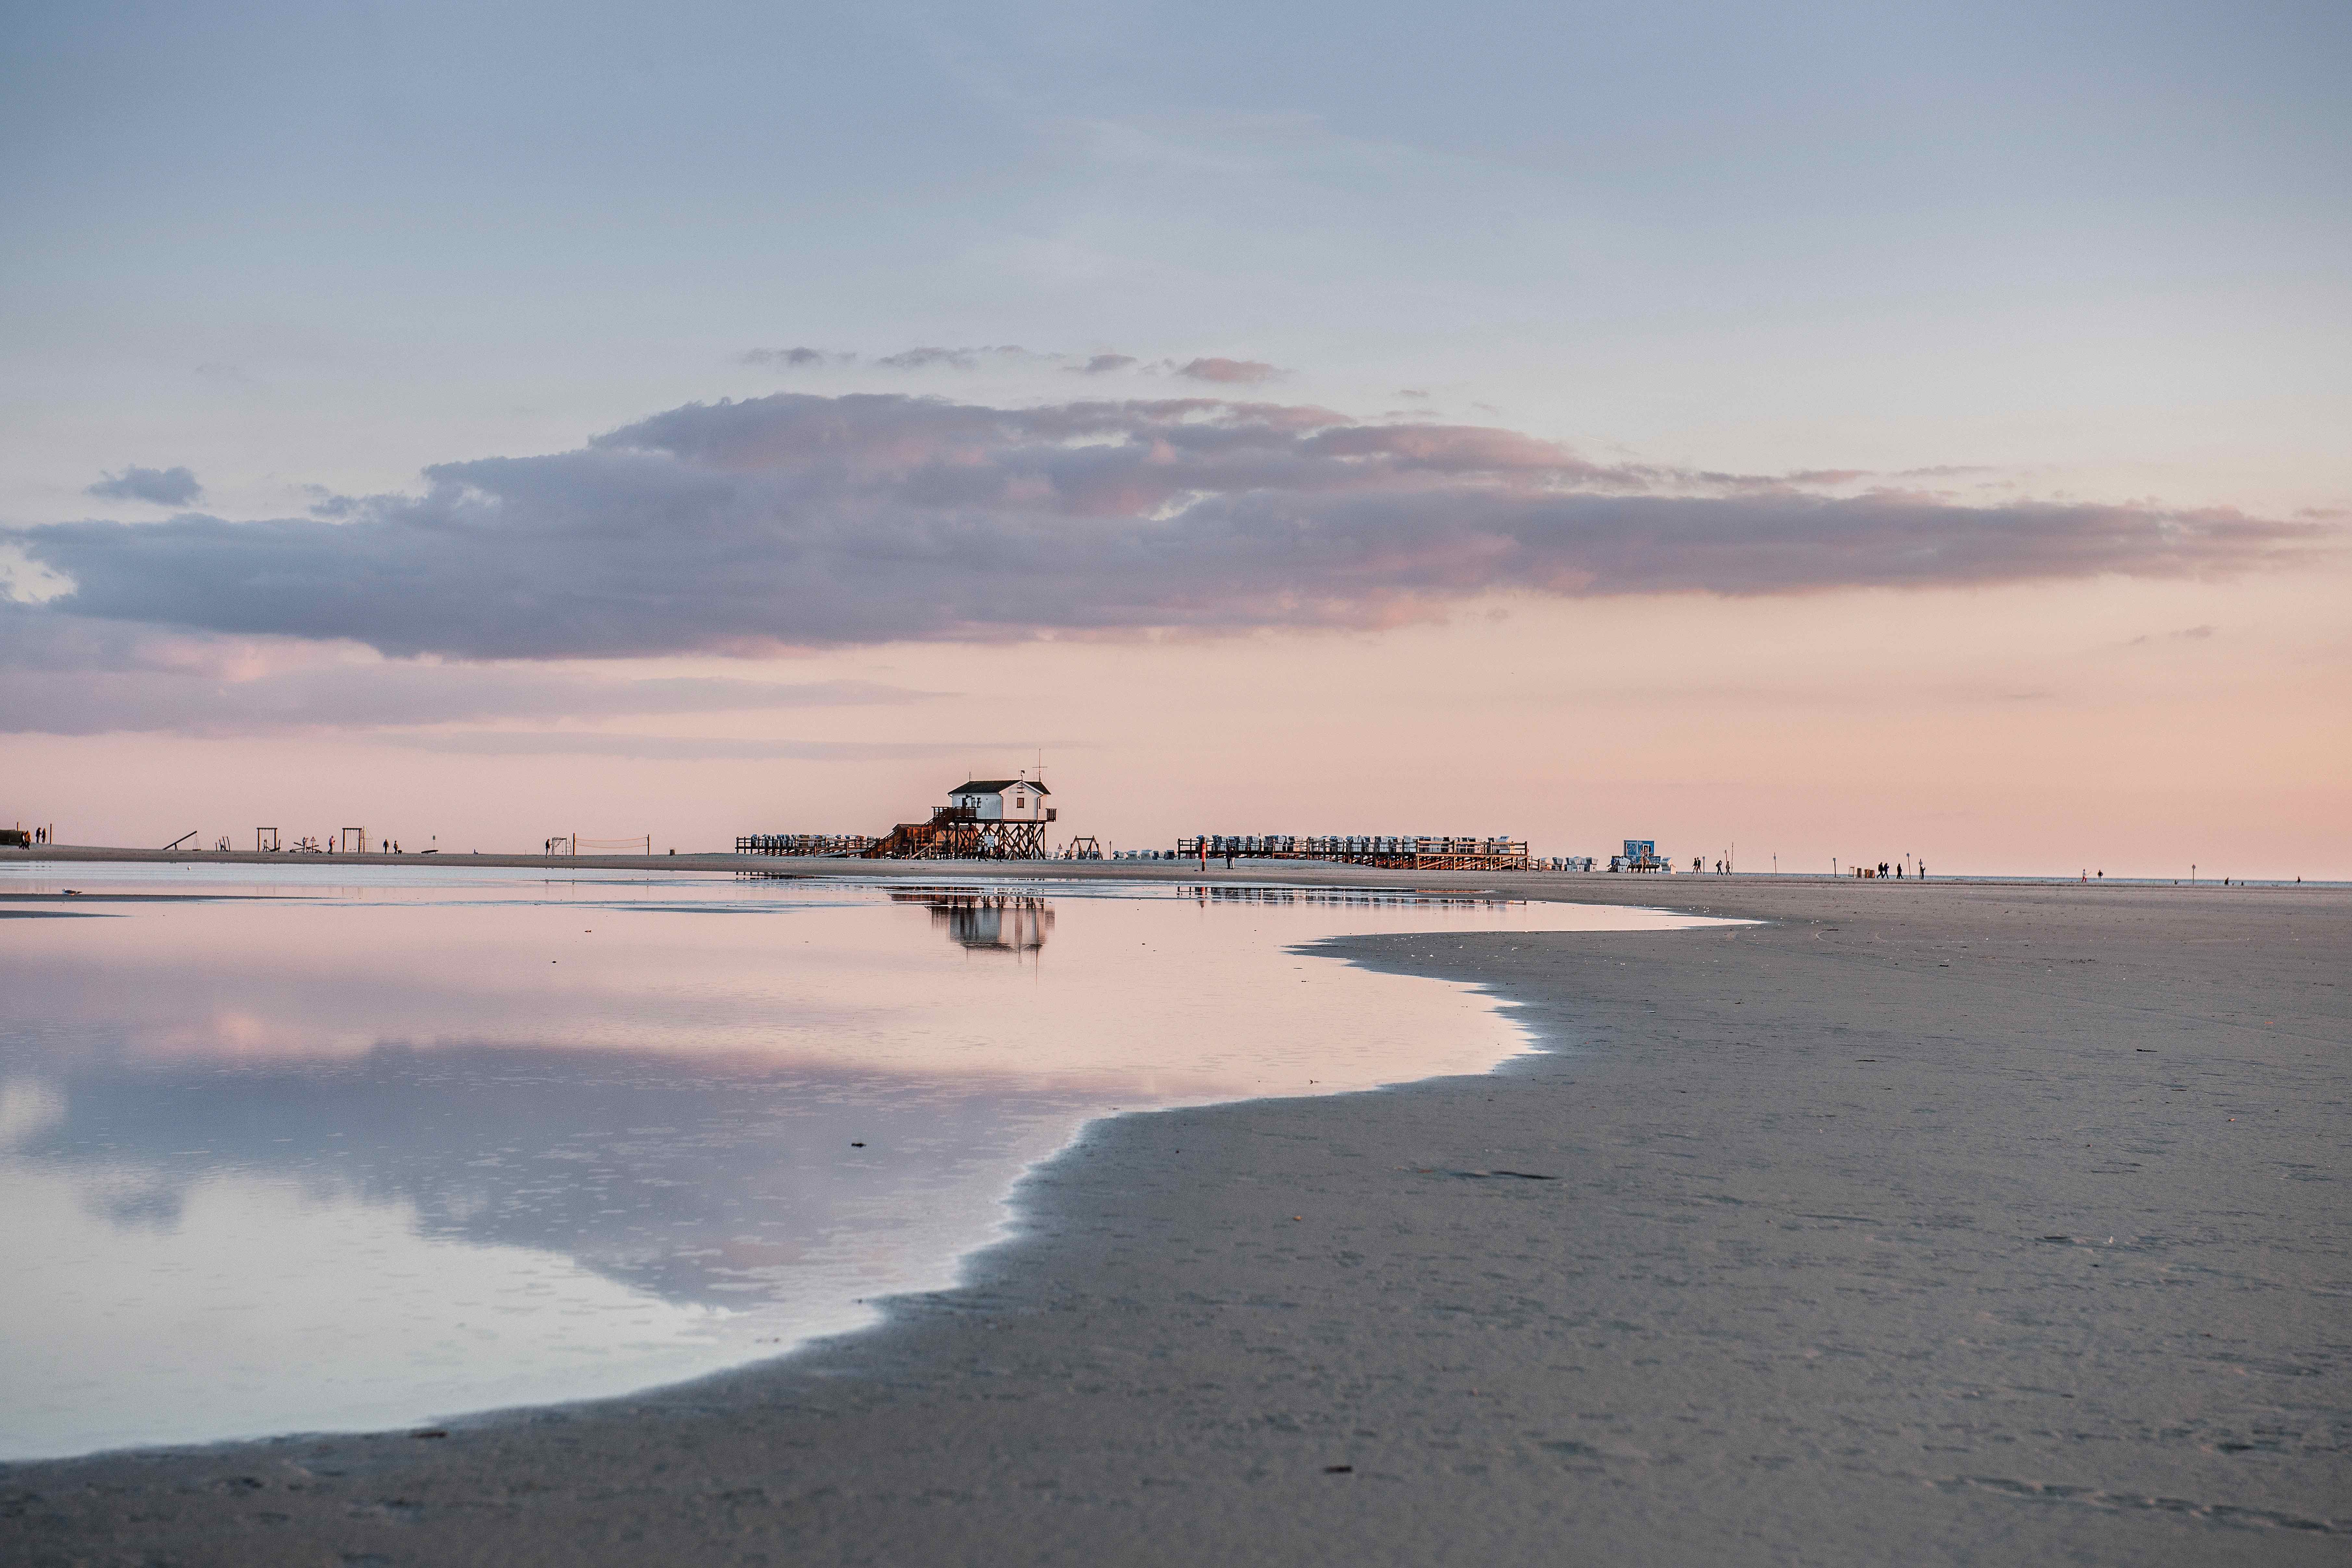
(985, 819)
(988, 923)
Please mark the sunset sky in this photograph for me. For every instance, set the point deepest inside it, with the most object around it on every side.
(1837, 431)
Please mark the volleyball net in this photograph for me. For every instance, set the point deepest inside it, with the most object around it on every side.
(641, 845)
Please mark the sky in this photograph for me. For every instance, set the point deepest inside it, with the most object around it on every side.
(1846, 434)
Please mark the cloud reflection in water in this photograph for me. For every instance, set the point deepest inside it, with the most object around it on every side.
(422, 1142)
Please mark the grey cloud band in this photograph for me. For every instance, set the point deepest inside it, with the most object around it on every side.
(810, 522)
(127, 687)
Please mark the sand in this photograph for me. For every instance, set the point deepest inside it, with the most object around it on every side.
(1946, 1222)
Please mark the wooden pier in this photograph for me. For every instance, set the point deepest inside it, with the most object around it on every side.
(1399, 852)
(805, 843)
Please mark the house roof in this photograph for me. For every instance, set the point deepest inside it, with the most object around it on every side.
(997, 786)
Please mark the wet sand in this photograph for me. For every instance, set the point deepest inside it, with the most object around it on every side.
(1952, 1223)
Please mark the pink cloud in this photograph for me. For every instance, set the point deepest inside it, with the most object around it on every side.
(1230, 372)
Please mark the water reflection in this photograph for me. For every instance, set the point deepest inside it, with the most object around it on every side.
(695, 1185)
(396, 1147)
(988, 923)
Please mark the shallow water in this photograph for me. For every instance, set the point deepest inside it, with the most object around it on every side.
(342, 1148)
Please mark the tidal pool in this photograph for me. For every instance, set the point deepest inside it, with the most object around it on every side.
(334, 1148)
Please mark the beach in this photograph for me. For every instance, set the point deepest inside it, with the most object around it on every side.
(1945, 1221)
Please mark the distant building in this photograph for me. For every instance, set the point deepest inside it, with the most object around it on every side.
(985, 819)
(1003, 800)
(1640, 854)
